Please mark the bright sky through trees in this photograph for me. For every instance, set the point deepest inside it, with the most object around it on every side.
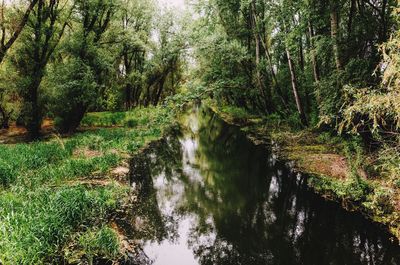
(173, 3)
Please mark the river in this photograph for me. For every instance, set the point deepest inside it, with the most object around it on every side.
(210, 196)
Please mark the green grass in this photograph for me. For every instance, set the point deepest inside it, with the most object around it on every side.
(99, 242)
(35, 224)
(43, 198)
(137, 117)
(238, 113)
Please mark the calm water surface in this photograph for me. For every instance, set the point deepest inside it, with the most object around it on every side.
(209, 196)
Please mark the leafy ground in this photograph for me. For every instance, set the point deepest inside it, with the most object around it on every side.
(339, 168)
(57, 196)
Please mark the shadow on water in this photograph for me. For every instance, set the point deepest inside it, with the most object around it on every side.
(209, 196)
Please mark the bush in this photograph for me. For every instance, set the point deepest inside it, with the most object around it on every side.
(380, 201)
(131, 123)
(352, 189)
(74, 92)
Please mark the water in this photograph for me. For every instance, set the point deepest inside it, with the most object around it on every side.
(209, 196)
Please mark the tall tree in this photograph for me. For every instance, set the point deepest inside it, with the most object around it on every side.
(334, 16)
(43, 33)
(293, 80)
(9, 32)
(257, 45)
(84, 88)
(136, 23)
(167, 60)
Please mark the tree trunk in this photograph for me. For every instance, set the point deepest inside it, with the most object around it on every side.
(159, 91)
(128, 96)
(127, 60)
(313, 54)
(76, 119)
(277, 86)
(334, 15)
(136, 95)
(314, 62)
(6, 118)
(270, 69)
(33, 122)
(301, 54)
(259, 81)
(295, 90)
(350, 22)
(384, 22)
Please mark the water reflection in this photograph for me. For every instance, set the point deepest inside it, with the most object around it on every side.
(215, 198)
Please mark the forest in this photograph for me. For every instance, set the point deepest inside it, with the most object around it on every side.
(85, 85)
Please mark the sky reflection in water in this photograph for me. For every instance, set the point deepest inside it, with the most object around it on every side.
(215, 198)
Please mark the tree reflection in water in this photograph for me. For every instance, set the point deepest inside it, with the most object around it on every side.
(215, 198)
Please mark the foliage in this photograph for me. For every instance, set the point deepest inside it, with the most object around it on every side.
(388, 162)
(221, 63)
(38, 42)
(75, 86)
(374, 112)
(351, 190)
(237, 112)
(380, 201)
(289, 57)
(377, 108)
(78, 56)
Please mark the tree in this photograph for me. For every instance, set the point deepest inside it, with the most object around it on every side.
(5, 114)
(43, 33)
(164, 69)
(377, 109)
(136, 23)
(334, 15)
(296, 56)
(293, 78)
(82, 90)
(10, 30)
(259, 81)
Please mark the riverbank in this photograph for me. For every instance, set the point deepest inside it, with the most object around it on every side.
(58, 197)
(338, 170)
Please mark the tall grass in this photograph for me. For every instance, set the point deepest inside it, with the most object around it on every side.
(42, 203)
(34, 225)
(136, 117)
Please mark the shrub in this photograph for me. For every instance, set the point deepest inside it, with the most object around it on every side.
(74, 93)
(380, 201)
(131, 123)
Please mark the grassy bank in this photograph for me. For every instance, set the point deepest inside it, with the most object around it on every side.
(339, 168)
(57, 196)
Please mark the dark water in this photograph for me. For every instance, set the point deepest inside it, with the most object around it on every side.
(215, 198)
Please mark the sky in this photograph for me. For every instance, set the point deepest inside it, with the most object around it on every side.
(173, 3)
